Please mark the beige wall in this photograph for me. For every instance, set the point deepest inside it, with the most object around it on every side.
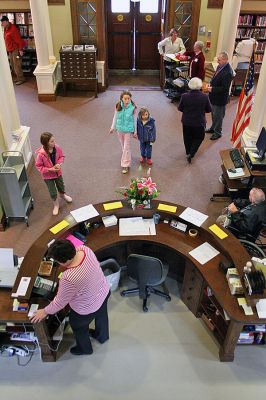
(61, 26)
(60, 18)
(210, 17)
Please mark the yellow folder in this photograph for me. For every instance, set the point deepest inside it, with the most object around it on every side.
(166, 207)
(218, 231)
(58, 227)
(112, 206)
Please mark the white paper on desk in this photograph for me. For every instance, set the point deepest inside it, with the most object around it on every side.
(238, 173)
(6, 259)
(204, 253)
(261, 308)
(84, 213)
(135, 226)
(151, 226)
(22, 287)
(195, 217)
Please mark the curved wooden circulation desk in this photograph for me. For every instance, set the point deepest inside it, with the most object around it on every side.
(172, 245)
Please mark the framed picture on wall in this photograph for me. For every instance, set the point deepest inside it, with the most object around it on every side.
(215, 3)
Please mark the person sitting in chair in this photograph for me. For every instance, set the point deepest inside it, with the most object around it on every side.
(246, 216)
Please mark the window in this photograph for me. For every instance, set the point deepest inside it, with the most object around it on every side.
(148, 6)
(120, 6)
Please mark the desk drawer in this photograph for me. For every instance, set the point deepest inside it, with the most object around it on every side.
(192, 288)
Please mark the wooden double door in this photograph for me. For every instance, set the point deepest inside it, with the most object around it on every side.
(133, 35)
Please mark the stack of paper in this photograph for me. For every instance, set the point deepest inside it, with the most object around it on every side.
(84, 213)
(235, 173)
(261, 308)
(136, 226)
(109, 220)
(195, 217)
(204, 253)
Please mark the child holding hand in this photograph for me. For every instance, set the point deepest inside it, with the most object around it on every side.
(146, 132)
(124, 124)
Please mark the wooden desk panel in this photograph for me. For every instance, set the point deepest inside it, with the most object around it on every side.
(108, 238)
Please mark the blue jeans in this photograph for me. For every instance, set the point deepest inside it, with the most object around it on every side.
(218, 113)
(145, 149)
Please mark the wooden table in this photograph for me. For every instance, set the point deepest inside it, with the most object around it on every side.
(169, 243)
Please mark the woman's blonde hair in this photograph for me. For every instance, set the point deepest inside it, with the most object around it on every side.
(142, 111)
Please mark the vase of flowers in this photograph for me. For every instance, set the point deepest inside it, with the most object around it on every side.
(140, 192)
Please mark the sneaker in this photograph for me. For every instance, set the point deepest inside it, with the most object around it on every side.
(124, 170)
(19, 82)
(149, 161)
(77, 352)
(67, 198)
(56, 207)
(142, 160)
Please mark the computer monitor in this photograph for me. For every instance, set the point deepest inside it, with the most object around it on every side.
(261, 144)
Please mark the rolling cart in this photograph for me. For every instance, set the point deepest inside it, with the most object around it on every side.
(15, 192)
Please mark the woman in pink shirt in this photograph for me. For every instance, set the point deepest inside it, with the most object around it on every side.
(49, 162)
(84, 287)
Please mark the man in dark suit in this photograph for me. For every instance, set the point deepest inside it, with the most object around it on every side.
(219, 94)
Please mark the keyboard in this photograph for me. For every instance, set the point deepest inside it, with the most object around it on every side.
(237, 158)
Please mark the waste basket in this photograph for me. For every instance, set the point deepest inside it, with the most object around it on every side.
(111, 270)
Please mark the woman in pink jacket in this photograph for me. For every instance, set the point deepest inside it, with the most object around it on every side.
(49, 160)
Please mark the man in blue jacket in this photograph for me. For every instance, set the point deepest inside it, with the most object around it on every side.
(219, 94)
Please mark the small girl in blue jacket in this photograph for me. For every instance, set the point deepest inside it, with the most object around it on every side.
(146, 132)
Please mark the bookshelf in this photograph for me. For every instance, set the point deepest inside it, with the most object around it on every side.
(23, 20)
(249, 24)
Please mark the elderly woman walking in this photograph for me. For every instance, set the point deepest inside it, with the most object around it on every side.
(194, 105)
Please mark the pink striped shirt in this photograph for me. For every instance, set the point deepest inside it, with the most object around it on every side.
(84, 287)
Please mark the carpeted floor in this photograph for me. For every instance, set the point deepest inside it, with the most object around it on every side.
(92, 170)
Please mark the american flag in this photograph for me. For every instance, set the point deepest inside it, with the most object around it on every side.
(244, 105)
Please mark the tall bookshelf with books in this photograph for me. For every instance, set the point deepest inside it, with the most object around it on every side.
(23, 21)
(253, 25)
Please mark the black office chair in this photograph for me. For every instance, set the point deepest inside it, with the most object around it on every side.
(148, 272)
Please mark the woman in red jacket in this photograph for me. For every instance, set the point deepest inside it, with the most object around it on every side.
(49, 160)
(197, 61)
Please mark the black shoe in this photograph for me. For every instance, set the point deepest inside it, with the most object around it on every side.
(210, 130)
(189, 158)
(76, 352)
(92, 333)
(215, 136)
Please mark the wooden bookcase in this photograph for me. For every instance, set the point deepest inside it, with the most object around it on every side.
(23, 20)
(250, 23)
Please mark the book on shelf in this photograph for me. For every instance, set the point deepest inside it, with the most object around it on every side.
(245, 19)
(31, 33)
(20, 18)
(261, 20)
(23, 30)
(29, 18)
(31, 43)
